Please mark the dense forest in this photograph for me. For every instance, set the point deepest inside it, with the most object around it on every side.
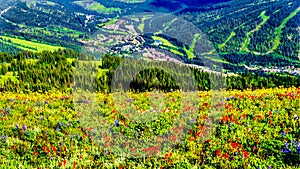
(55, 70)
(261, 29)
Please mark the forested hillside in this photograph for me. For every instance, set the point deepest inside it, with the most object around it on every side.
(252, 33)
(44, 71)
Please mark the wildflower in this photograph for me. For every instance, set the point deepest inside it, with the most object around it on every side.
(298, 148)
(54, 148)
(270, 113)
(245, 154)
(24, 127)
(17, 126)
(286, 144)
(129, 100)
(60, 144)
(259, 116)
(283, 133)
(286, 150)
(207, 120)
(269, 167)
(218, 152)
(294, 142)
(244, 116)
(226, 156)
(116, 123)
(85, 101)
(254, 148)
(225, 118)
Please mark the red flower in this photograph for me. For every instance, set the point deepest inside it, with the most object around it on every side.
(218, 153)
(60, 164)
(245, 154)
(224, 119)
(35, 153)
(205, 104)
(80, 157)
(121, 167)
(271, 121)
(270, 114)
(231, 119)
(53, 148)
(65, 161)
(259, 116)
(244, 116)
(228, 106)
(234, 145)
(226, 156)
(46, 149)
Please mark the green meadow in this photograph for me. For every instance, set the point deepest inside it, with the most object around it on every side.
(29, 45)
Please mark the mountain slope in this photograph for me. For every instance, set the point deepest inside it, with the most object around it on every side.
(251, 32)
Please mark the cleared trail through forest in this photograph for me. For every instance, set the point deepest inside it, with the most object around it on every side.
(248, 39)
(280, 28)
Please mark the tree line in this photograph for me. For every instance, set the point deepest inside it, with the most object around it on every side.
(56, 70)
